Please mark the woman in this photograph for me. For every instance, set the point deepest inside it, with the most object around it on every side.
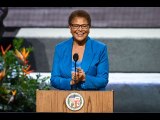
(92, 65)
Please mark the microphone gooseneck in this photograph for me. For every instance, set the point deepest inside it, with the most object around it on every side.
(75, 58)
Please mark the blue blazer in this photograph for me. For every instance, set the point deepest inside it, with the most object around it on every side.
(94, 64)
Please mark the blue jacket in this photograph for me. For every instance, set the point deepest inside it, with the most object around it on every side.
(94, 64)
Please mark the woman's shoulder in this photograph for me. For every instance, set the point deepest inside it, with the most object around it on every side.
(63, 43)
(98, 43)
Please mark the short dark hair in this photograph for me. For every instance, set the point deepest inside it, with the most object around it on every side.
(79, 13)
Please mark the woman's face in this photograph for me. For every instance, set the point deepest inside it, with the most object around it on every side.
(79, 28)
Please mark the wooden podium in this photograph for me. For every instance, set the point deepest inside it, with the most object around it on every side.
(55, 101)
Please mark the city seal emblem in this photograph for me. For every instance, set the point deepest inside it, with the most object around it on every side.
(74, 101)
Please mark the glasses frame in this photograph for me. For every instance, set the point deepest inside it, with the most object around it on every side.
(85, 27)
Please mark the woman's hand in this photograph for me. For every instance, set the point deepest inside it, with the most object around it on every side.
(80, 76)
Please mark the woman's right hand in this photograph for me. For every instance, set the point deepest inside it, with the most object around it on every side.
(80, 76)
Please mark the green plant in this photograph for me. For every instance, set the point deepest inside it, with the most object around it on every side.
(17, 87)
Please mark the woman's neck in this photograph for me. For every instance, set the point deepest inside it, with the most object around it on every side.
(79, 43)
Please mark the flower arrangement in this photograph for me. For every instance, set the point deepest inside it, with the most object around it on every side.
(17, 87)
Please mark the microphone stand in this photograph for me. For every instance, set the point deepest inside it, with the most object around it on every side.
(72, 87)
(75, 58)
(75, 77)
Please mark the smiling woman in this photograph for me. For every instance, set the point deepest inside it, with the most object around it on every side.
(91, 54)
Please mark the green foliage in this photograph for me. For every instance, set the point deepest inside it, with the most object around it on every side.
(17, 87)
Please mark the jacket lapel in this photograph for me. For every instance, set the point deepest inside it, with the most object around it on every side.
(88, 56)
(67, 61)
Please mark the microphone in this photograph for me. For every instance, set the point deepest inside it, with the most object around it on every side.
(75, 58)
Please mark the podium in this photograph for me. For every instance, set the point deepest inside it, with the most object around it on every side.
(63, 101)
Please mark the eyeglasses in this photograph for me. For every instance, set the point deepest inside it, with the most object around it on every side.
(76, 26)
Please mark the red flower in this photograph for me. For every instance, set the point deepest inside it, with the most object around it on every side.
(4, 51)
(2, 74)
(26, 70)
(22, 55)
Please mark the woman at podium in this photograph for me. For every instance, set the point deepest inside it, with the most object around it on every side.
(80, 62)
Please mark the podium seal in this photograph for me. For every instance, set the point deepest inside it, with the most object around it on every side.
(74, 101)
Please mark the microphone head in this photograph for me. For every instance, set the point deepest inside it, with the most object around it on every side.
(75, 57)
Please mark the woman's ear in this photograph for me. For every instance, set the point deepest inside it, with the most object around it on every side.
(69, 28)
